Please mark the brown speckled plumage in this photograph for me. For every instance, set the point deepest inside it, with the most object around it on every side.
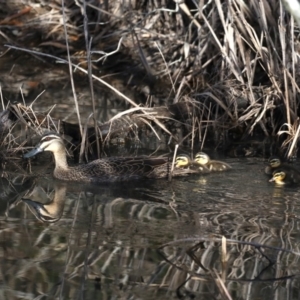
(110, 169)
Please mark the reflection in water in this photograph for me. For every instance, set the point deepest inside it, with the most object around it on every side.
(52, 210)
(102, 241)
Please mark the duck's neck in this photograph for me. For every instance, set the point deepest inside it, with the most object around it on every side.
(54, 209)
(60, 158)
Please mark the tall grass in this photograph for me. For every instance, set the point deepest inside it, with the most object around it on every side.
(237, 60)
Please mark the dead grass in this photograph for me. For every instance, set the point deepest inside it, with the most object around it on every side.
(236, 61)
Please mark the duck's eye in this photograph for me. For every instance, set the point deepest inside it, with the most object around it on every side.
(46, 139)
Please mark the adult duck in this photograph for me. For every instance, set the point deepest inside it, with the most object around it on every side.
(109, 169)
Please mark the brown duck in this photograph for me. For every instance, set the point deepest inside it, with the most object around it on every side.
(110, 169)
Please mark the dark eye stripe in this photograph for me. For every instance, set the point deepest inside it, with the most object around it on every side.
(49, 138)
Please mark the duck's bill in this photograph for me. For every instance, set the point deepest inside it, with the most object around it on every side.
(33, 152)
(34, 204)
(271, 180)
(40, 212)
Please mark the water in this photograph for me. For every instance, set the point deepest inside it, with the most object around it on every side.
(150, 240)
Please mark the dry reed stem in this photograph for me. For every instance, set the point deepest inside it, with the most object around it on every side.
(70, 66)
(219, 102)
(292, 133)
(232, 64)
(295, 140)
(100, 80)
(84, 140)
(69, 251)
(206, 128)
(220, 284)
(282, 35)
(229, 241)
(173, 162)
(91, 84)
(224, 258)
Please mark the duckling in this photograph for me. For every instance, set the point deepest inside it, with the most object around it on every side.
(184, 161)
(202, 159)
(275, 163)
(283, 177)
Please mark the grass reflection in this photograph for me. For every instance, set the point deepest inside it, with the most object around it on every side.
(103, 240)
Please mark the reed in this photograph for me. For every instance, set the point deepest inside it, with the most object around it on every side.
(236, 60)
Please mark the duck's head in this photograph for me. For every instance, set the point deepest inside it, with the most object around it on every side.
(182, 161)
(49, 142)
(279, 177)
(44, 213)
(274, 162)
(201, 158)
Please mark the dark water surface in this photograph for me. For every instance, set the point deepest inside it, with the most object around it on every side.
(107, 242)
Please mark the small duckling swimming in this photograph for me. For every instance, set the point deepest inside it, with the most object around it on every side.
(202, 159)
(275, 163)
(283, 177)
(185, 162)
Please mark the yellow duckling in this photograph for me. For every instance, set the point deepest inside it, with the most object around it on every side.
(185, 162)
(283, 177)
(202, 159)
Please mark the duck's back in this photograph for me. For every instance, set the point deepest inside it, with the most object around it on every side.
(120, 169)
(215, 165)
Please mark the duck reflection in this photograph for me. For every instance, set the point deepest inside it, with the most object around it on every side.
(49, 207)
(45, 209)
